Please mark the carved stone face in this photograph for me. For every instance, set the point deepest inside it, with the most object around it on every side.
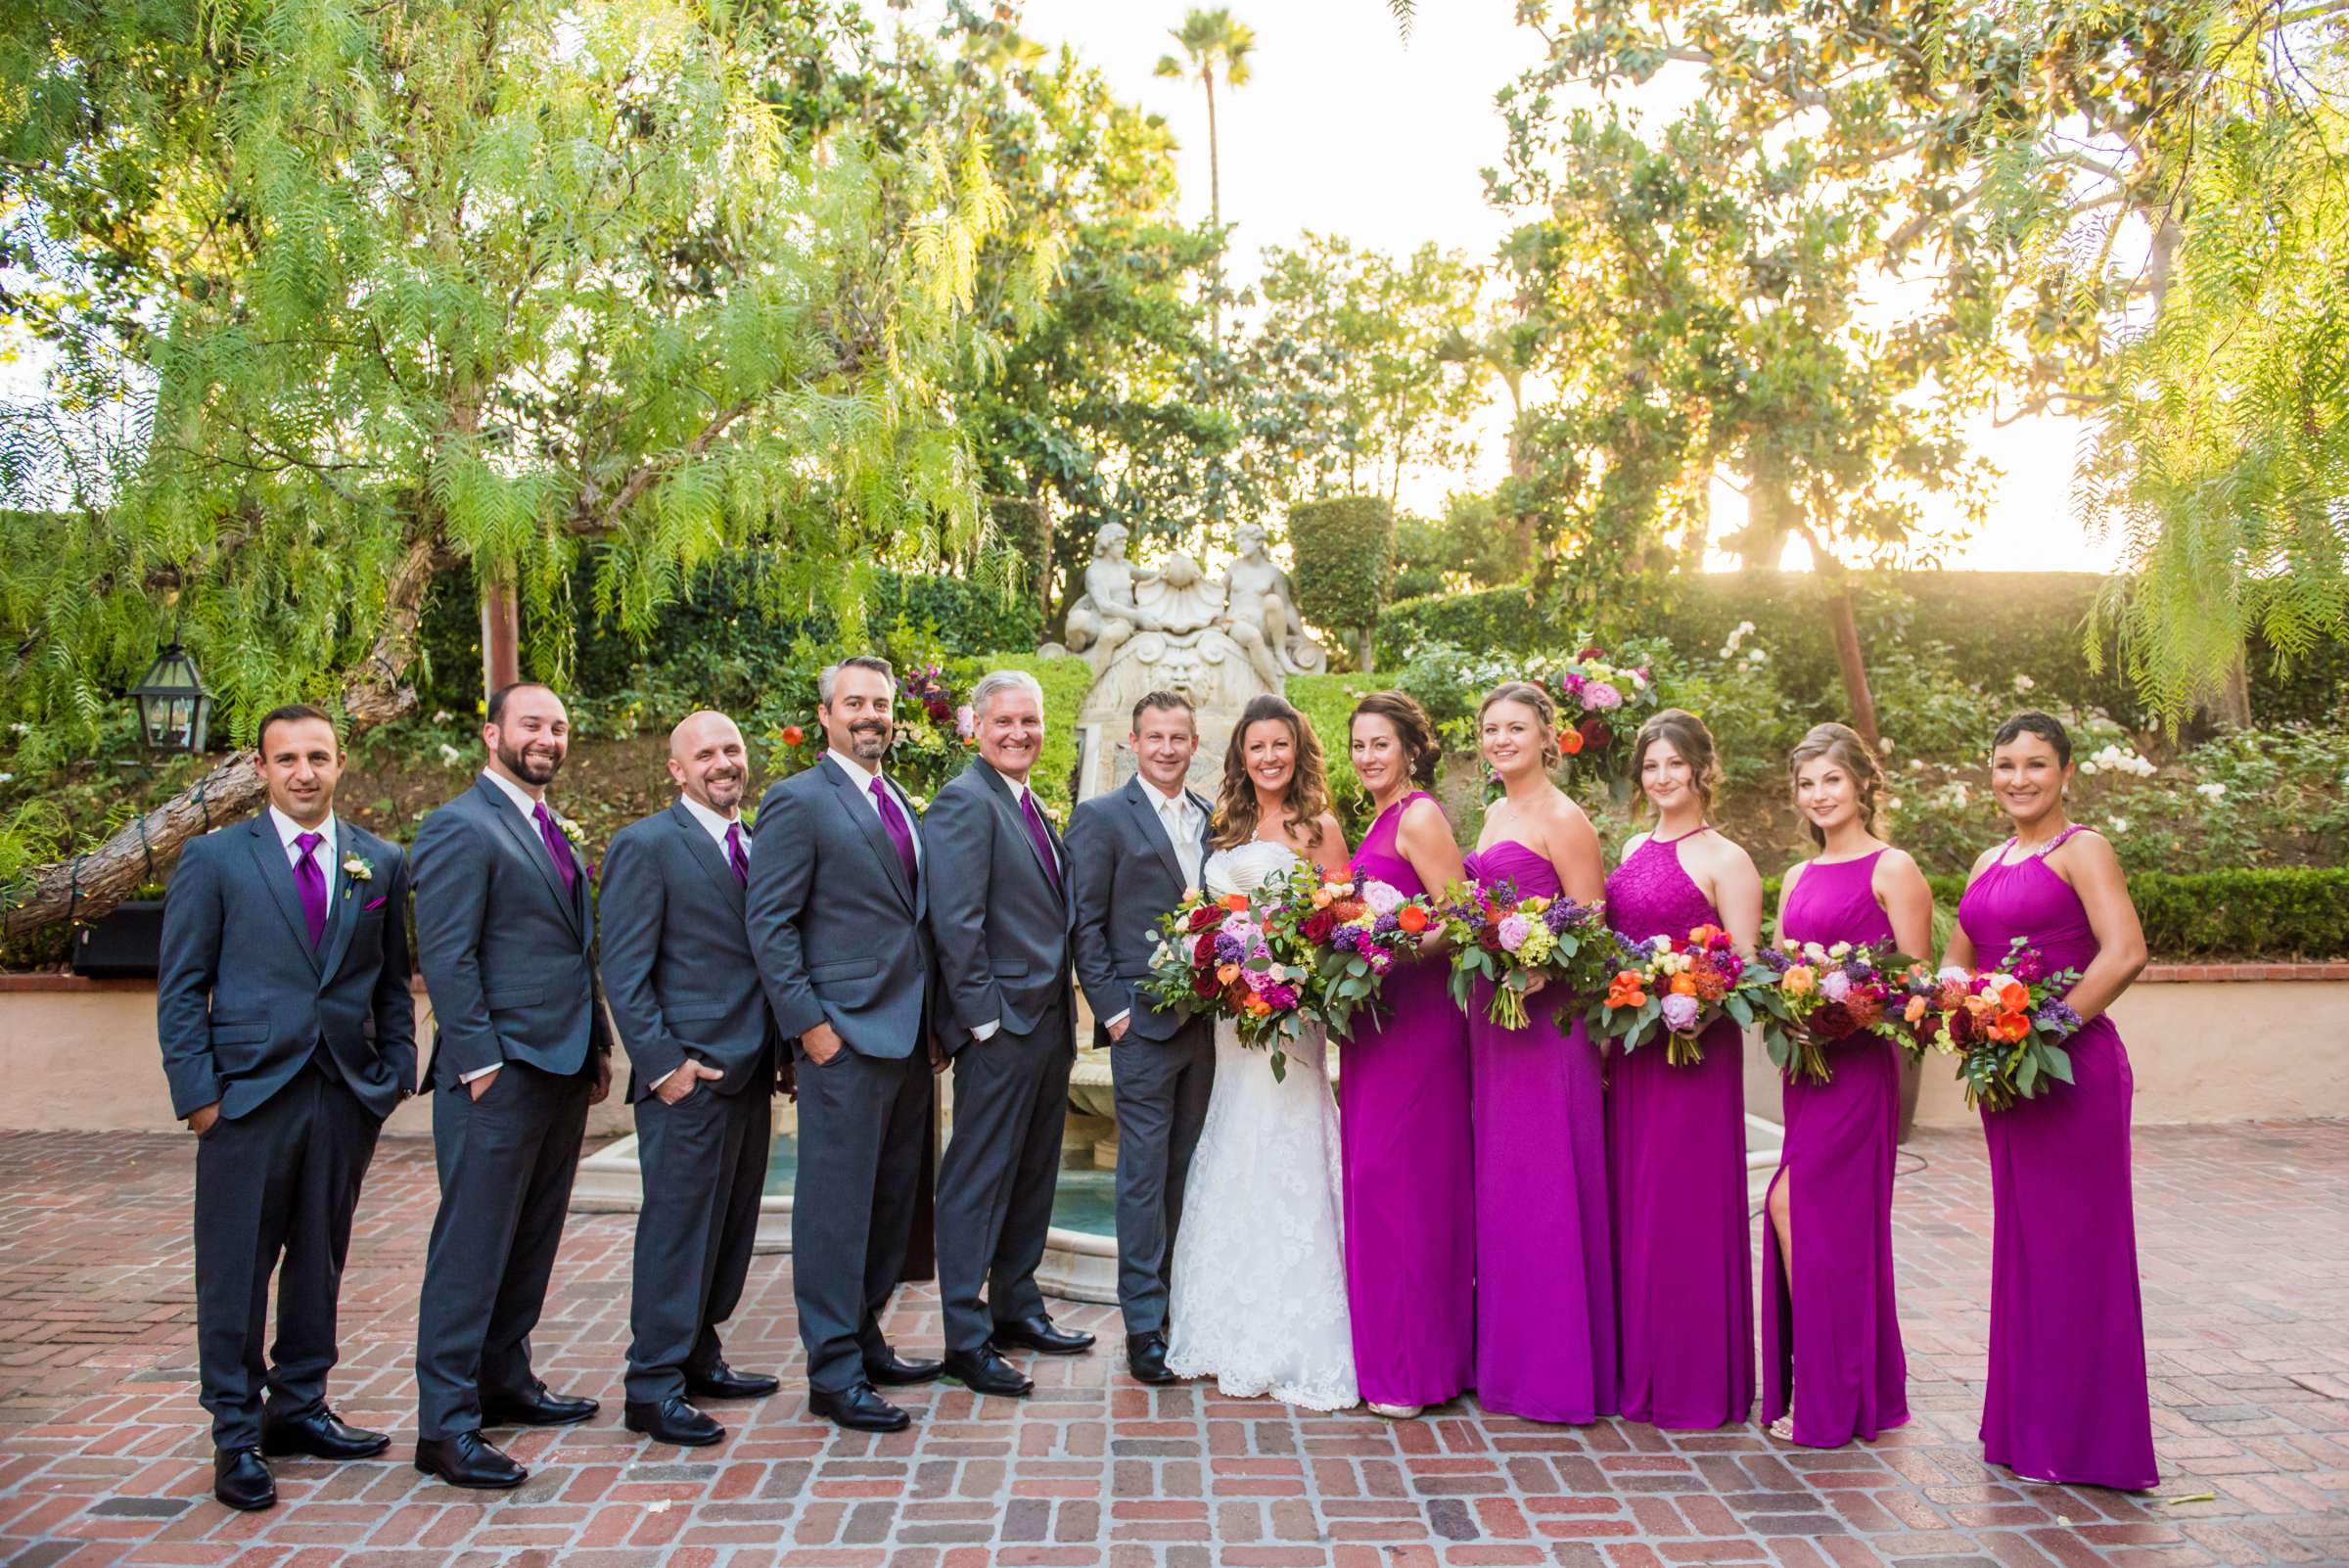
(1109, 544)
(1250, 537)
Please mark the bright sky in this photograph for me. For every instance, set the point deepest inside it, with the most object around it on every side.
(1347, 128)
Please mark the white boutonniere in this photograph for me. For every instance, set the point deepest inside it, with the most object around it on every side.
(357, 868)
(571, 831)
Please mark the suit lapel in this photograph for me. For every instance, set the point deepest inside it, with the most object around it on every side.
(1008, 802)
(533, 848)
(342, 901)
(703, 850)
(1138, 801)
(851, 795)
(277, 874)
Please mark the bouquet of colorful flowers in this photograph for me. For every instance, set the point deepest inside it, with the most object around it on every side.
(1677, 984)
(2005, 1026)
(1356, 932)
(1824, 996)
(1514, 943)
(1599, 702)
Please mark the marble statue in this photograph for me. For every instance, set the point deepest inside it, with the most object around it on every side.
(1261, 610)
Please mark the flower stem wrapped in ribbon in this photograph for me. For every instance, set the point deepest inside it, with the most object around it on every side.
(2005, 1026)
(1676, 987)
(1512, 943)
(1826, 996)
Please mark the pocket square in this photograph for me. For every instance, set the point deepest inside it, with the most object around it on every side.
(377, 904)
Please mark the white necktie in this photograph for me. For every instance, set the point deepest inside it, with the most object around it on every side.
(1176, 817)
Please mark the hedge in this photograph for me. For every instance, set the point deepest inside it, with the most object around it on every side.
(1345, 558)
(1999, 624)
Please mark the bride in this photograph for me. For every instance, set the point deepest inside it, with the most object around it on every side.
(1258, 1282)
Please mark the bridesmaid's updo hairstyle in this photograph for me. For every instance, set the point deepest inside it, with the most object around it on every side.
(1304, 800)
(1412, 728)
(1688, 736)
(2033, 722)
(1526, 694)
(1841, 744)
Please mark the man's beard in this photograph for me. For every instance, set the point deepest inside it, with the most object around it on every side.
(723, 795)
(540, 772)
(868, 741)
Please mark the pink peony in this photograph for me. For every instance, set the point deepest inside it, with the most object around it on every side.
(1835, 984)
(1680, 1012)
(1382, 897)
(966, 723)
(1600, 694)
(1513, 932)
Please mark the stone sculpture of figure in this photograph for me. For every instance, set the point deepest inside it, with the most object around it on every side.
(1262, 608)
(1106, 614)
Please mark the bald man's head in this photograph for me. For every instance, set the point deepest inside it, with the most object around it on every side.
(707, 758)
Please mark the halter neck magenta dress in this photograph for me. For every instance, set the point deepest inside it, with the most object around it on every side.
(1676, 1167)
(1544, 1280)
(1411, 1205)
(2066, 1397)
(1837, 1334)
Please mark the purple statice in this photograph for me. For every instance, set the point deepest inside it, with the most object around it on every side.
(1386, 925)
(1856, 972)
(1563, 912)
(2055, 1017)
(1775, 959)
(1230, 949)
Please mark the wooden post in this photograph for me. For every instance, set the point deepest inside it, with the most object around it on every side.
(501, 637)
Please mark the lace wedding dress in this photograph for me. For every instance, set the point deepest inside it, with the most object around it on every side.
(1259, 1277)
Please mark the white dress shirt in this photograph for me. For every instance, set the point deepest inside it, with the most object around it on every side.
(863, 778)
(288, 830)
(529, 808)
(1181, 818)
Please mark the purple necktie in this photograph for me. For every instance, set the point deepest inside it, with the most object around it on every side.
(312, 882)
(557, 845)
(735, 857)
(892, 822)
(1043, 840)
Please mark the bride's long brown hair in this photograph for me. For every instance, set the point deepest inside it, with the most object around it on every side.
(1306, 798)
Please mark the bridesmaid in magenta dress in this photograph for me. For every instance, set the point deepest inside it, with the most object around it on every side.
(1832, 1327)
(1676, 1136)
(1544, 1290)
(1410, 1204)
(2066, 1398)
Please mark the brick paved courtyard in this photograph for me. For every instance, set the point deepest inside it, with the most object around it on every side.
(2244, 1234)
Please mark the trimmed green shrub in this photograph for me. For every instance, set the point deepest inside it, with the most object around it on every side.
(1344, 559)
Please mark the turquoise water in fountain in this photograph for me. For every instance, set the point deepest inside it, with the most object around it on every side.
(1087, 1200)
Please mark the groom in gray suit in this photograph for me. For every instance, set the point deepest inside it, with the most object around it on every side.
(839, 883)
(999, 911)
(1131, 855)
(686, 1001)
(505, 931)
(287, 1035)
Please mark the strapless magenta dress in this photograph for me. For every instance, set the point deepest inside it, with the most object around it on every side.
(1676, 1167)
(1837, 1335)
(1410, 1238)
(1544, 1285)
(2066, 1397)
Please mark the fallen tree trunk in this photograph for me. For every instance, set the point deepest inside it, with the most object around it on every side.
(88, 885)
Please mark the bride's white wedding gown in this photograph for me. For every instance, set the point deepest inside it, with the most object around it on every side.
(1259, 1277)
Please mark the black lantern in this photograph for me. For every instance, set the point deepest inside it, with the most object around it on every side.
(174, 709)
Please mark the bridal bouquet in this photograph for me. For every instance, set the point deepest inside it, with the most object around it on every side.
(2005, 1026)
(1512, 943)
(1677, 986)
(1824, 996)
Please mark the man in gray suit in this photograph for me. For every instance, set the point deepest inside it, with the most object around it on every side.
(287, 1035)
(505, 931)
(1000, 917)
(686, 999)
(1131, 855)
(838, 888)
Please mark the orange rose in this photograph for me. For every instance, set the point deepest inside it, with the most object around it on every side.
(1227, 973)
(1237, 902)
(1570, 741)
(1626, 990)
(1702, 935)
(1411, 918)
(1683, 984)
(1916, 1010)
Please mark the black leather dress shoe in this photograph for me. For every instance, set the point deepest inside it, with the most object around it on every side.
(321, 1436)
(535, 1407)
(893, 1371)
(1146, 1356)
(1038, 1333)
(722, 1382)
(983, 1371)
(859, 1409)
(241, 1479)
(671, 1420)
(468, 1459)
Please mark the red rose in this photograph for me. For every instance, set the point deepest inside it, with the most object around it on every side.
(1489, 938)
(1205, 984)
(1206, 915)
(1203, 951)
(1831, 1022)
(1318, 925)
(1596, 734)
(939, 709)
(1961, 1027)
(1588, 654)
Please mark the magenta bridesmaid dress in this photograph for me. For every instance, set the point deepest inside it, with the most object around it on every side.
(1837, 1334)
(2066, 1397)
(1410, 1243)
(1675, 1169)
(1544, 1280)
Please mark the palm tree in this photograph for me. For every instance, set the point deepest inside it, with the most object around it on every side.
(1211, 40)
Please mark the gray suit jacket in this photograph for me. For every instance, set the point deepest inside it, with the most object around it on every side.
(1002, 928)
(1123, 876)
(507, 955)
(676, 957)
(837, 928)
(242, 999)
